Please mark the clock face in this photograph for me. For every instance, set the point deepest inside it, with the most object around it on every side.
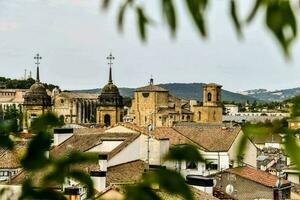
(229, 189)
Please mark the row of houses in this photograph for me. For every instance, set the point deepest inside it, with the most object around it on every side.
(127, 150)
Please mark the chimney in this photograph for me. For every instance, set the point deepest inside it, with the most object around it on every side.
(99, 177)
(72, 193)
(62, 134)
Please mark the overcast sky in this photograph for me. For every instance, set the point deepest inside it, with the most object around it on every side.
(75, 36)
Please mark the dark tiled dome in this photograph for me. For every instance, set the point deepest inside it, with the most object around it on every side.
(37, 95)
(110, 95)
(38, 88)
(110, 88)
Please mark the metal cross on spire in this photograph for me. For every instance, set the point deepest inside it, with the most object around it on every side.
(110, 58)
(37, 58)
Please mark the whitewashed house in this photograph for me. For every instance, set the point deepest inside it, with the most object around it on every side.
(217, 144)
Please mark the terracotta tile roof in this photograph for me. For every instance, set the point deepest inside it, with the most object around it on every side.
(83, 142)
(197, 195)
(11, 159)
(151, 88)
(218, 193)
(256, 175)
(173, 136)
(163, 195)
(125, 173)
(212, 138)
(37, 176)
(208, 138)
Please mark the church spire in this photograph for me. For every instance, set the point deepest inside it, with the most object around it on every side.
(110, 58)
(37, 58)
(110, 76)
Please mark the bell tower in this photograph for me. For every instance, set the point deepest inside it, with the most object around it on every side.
(212, 94)
(211, 109)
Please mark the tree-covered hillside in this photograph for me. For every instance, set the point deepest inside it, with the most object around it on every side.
(186, 91)
(7, 83)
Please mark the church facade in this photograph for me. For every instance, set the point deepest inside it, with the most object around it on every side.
(154, 105)
(36, 100)
(151, 105)
(110, 108)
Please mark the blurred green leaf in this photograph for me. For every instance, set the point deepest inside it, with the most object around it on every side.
(196, 9)
(254, 10)
(295, 111)
(235, 19)
(65, 164)
(292, 147)
(36, 154)
(85, 179)
(138, 192)
(122, 13)
(183, 152)
(46, 121)
(281, 20)
(142, 22)
(105, 4)
(169, 14)
(30, 192)
(175, 185)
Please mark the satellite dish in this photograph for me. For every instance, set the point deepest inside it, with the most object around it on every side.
(229, 189)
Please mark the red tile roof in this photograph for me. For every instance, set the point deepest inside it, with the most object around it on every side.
(211, 138)
(151, 88)
(256, 175)
(10, 159)
(208, 138)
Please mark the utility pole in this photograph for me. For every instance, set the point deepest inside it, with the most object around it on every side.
(149, 129)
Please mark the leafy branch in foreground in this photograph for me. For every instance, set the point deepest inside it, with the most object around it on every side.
(279, 17)
(291, 143)
(164, 179)
(44, 173)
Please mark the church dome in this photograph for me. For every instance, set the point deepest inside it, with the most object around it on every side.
(110, 88)
(110, 95)
(37, 94)
(37, 88)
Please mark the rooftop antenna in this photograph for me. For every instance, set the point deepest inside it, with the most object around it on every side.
(25, 75)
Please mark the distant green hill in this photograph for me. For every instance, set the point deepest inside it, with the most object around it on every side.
(186, 91)
(276, 95)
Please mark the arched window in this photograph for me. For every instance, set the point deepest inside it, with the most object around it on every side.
(107, 120)
(209, 96)
(199, 116)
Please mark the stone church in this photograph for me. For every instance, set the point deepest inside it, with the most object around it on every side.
(36, 100)
(156, 106)
(110, 108)
(151, 104)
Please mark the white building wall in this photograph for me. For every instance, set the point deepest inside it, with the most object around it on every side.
(61, 137)
(106, 146)
(138, 150)
(250, 153)
(129, 153)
